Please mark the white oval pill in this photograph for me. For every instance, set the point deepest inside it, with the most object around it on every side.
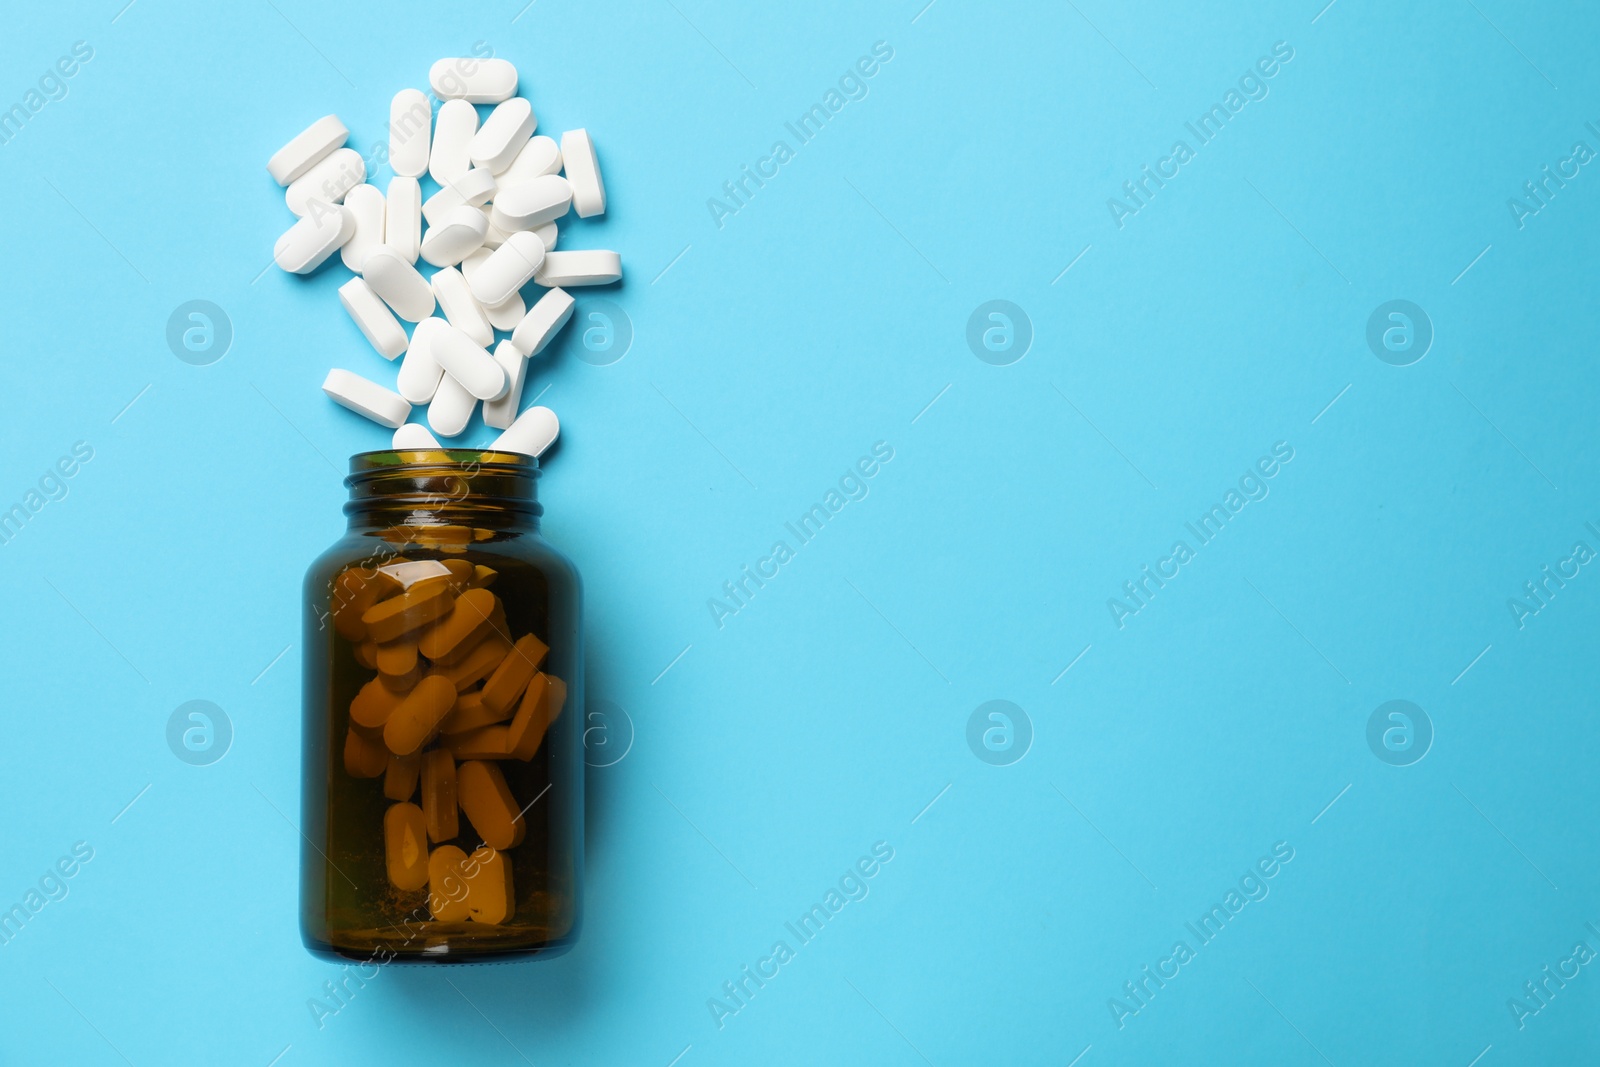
(529, 205)
(534, 431)
(412, 436)
(540, 156)
(547, 235)
(402, 218)
(467, 362)
(461, 309)
(419, 371)
(367, 398)
(506, 316)
(543, 321)
(452, 133)
(307, 148)
(398, 282)
(501, 412)
(373, 318)
(585, 267)
(451, 407)
(413, 571)
(507, 269)
(410, 124)
(502, 135)
(478, 81)
(307, 244)
(334, 175)
(474, 189)
(366, 205)
(583, 171)
(446, 199)
(459, 231)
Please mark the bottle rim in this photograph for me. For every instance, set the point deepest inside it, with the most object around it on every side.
(436, 486)
(440, 461)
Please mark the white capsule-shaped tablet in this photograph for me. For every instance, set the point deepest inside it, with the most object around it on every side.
(583, 172)
(459, 231)
(333, 176)
(467, 362)
(446, 199)
(542, 322)
(507, 269)
(529, 205)
(534, 431)
(409, 572)
(540, 156)
(501, 412)
(452, 133)
(402, 218)
(502, 135)
(475, 189)
(461, 309)
(373, 318)
(451, 407)
(366, 205)
(584, 267)
(307, 148)
(546, 235)
(410, 437)
(367, 398)
(478, 81)
(419, 371)
(506, 316)
(307, 244)
(410, 128)
(399, 283)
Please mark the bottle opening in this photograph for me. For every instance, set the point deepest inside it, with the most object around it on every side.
(442, 486)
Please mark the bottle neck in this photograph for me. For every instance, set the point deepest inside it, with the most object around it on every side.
(450, 494)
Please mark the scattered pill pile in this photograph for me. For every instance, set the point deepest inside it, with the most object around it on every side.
(451, 696)
(491, 230)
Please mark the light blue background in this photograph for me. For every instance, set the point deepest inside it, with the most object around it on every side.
(768, 356)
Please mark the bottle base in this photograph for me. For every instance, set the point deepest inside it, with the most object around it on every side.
(436, 943)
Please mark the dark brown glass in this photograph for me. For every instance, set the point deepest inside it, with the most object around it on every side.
(444, 505)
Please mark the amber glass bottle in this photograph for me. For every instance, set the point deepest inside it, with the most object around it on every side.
(442, 780)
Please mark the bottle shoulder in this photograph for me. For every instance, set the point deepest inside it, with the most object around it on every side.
(369, 551)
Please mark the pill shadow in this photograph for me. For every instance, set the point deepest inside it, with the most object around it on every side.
(521, 998)
(599, 783)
